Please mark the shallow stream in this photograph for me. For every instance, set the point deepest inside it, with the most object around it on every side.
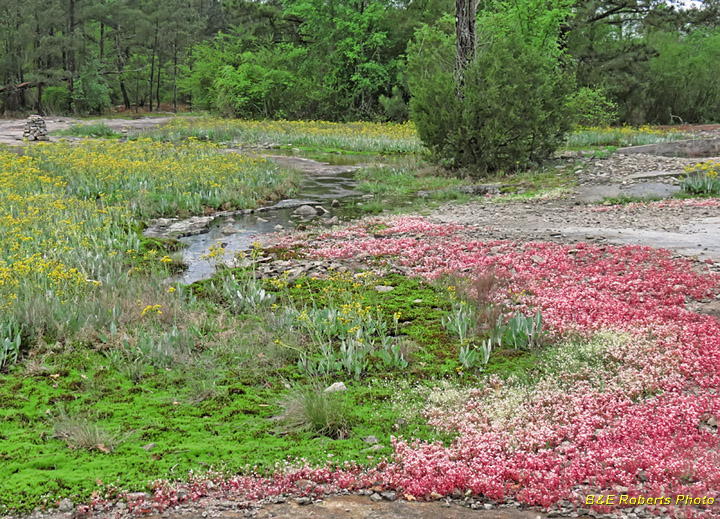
(322, 183)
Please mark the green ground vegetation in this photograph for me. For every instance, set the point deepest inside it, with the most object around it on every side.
(95, 130)
(217, 385)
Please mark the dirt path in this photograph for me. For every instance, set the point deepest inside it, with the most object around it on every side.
(11, 130)
(360, 507)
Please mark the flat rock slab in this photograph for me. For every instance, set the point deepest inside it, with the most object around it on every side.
(360, 507)
(700, 238)
(653, 174)
(650, 190)
(597, 193)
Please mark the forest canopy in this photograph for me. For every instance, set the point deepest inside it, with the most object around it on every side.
(627, 61)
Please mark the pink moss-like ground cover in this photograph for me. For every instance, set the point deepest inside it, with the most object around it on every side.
(637, 425)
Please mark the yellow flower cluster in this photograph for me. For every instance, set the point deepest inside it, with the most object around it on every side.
(156, 178)
(43, 232)
(710, 168)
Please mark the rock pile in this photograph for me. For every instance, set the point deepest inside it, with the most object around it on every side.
(35, 129)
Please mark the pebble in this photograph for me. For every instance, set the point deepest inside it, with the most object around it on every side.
(66, 505)
(336, 387)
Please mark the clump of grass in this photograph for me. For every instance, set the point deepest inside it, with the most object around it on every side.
(622, 136)
(310, 409)
(95, 130)
(404, 181)
(79, 432)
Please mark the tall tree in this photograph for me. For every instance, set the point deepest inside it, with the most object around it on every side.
(466, 39)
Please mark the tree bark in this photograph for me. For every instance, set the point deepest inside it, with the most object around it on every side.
(120, 68)
(157, 90)
(175, 68)
(466, 36)
(152, 67)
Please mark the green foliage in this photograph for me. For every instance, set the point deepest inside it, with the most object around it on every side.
(522, 332)
(10, 341)
(683, 85)
(395, 107)
(590, 107)
(512, 113)
(241, 293)
(460, 320)
(90, 95)
(56, 99)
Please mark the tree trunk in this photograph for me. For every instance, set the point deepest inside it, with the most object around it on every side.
(152, 67)
(466, 34)
(71, 52)
(175, 65)
(157, 90)
(120, 67)
(38, 103)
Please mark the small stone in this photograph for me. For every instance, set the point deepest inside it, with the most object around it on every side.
(374, 448)
(435, 496)
(261, 220)
(376, 498)
(278, 227)
(417, 300)
(302, 484)
(335, 204)
(305, 210)
(389, 496)
(487, 506)
(371, 440)
(66, 505)
(383, 288)
(149, 446)
(336, 387)
(367, 197)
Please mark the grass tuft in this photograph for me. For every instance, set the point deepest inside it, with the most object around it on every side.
(79, 432)
(95, 130)
(313, 410)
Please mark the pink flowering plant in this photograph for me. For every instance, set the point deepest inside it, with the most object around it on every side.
(639, 417)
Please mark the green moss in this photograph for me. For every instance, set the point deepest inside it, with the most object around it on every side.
(222, 416)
